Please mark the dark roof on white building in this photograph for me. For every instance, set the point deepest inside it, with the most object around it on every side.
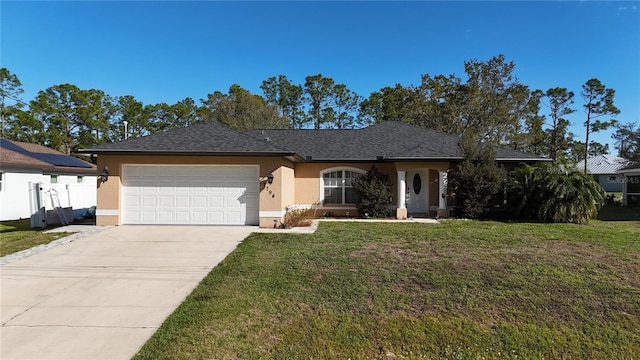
(16, 155)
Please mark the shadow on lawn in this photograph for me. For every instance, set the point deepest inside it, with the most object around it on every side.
(619, 213)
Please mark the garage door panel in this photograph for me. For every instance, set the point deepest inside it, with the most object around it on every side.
(217, 186)
(199, 202)
(183, 200)
(190, 194)
(132, 200)
(233, 216)
(182, 217)
(198, 217)
(216, 217)
(152, 190)
(165, 217)
(216, 202)
(166, 200)
(198, 184)
(134, 172)
(131, 217)
(149, 217)
(201, 171)
(231, 202)
(151, 171)
(149, 200)
(245, 172)
(250, 200)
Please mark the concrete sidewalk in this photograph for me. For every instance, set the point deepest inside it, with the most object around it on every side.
(103, 295)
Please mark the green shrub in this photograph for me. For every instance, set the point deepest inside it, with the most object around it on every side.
(548, 194)
(477, 182)
(374, 192)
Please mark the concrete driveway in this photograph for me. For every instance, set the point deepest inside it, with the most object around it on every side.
(102, 296)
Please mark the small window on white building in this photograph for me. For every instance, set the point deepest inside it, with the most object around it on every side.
(54, 179)
(1, 179)
(80, 179)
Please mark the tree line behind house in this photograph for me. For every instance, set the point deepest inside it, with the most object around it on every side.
(489, 104)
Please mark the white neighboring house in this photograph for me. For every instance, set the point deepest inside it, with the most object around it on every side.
(65, 181)
(631, 188)
(605, 168)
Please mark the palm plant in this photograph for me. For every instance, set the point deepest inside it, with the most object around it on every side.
(546, 193)
(573, 197)
(523, 192)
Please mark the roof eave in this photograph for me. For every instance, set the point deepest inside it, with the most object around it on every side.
(407, 159)
(629, 171)
(523, 159)
(72, 171)
(382, 159)
(342, 160)
(460, 158)
(39, 168)
(184, 153)
(49, 169)
(422, 158)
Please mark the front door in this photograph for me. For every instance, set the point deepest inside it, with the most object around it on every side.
(418, 191)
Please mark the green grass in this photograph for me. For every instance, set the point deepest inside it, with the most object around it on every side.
(457, 290)
(17, 235)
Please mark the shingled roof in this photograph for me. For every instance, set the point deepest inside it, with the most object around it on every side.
(16, 155)
(206, 138)
(388, 140)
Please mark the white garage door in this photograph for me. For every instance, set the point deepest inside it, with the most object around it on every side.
(190, 194)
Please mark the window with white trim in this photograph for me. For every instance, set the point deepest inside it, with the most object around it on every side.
(1, 187)
(54, 179)
(337, 186)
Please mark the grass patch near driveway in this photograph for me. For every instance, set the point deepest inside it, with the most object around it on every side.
(17, 235)
(457, 290)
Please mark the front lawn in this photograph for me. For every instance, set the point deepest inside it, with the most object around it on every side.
(17, 235)
(457, 290)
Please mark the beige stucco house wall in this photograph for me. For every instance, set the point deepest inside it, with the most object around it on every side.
(308, 190)
(294, 184)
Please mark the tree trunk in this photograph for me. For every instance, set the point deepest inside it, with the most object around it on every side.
(586, 141)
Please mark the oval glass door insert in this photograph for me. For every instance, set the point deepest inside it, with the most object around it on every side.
(417, 183)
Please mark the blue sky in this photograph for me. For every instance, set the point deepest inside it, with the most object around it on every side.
(167, 51)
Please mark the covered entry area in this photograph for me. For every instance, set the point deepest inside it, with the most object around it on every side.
(422, 190)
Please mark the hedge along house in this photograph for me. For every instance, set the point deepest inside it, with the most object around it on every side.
(212, 174)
